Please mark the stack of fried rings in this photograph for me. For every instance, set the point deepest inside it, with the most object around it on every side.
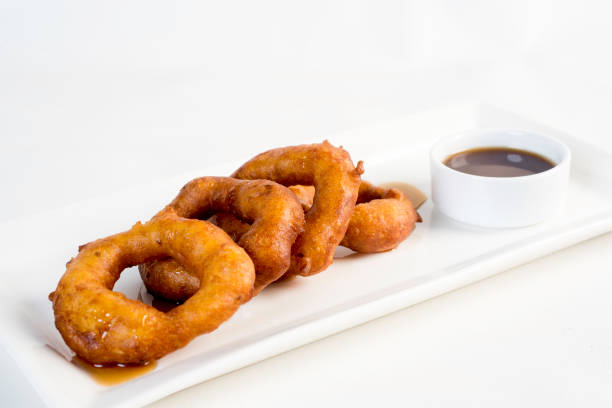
(276, 219)
(381, 220)
(283, 231)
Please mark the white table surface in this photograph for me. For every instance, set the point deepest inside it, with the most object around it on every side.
(539, 334)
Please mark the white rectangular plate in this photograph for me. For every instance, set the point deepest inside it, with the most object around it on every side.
(441, 255)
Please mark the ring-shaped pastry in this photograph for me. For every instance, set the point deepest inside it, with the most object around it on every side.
(104, 327)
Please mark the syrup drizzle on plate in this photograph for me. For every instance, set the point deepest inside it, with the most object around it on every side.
(115, 374)
(109, 375)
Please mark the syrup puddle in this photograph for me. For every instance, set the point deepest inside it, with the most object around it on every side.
(113, 375)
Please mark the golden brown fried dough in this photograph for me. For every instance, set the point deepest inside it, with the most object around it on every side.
(274, 213)
(305, 195)
(237, 228)
(381, 220)
(336, 180)
(105, 327)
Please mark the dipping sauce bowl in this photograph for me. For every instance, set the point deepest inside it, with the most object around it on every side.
(500, 202)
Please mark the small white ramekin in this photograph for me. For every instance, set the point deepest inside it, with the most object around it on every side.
(500, 202)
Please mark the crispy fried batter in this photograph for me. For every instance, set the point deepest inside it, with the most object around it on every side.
(275, 216)
(305, 195)
(336, 180)
(104, 327)
(381, 220)
(284, 232)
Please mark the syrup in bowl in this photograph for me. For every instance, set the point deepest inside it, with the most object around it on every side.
(498, 162)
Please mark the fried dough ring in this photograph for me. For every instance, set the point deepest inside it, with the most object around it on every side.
(381, 220)
(276, 220)
(336, 181)
(105, 327)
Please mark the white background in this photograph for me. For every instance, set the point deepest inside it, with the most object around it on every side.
(100, 96)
